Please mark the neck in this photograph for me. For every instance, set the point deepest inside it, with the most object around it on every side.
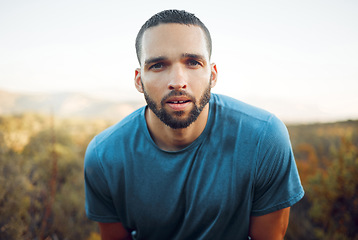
(170, 139)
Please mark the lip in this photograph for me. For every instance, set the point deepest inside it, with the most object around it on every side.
(178, 99)
(179, 103)
(179, 106)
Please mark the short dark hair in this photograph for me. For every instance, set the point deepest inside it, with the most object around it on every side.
(171, 16)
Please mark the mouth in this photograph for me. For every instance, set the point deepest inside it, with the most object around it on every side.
(178, 103)
(178, 99)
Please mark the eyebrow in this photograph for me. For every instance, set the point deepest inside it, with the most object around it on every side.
(161, 58)
(154, 60)
(191, 55)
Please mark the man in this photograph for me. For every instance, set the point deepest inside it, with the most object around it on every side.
(191, 164)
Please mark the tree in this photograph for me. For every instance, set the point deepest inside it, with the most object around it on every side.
(66, 217)
(13, 200)
(40, 197)
(334, 196)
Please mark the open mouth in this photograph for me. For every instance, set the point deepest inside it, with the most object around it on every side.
(178, 102)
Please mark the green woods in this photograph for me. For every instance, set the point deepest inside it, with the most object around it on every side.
(42, 192)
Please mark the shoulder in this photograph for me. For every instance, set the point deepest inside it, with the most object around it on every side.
(228, 106)
(254, 124)
(248, 118)
(121, 129)
(114, 136)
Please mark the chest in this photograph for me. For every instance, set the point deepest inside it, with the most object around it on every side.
(192, 191)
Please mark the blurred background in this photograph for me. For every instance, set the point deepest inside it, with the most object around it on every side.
(297, 59)
(67, 70)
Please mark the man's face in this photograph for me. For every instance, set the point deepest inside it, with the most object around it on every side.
(176, 76)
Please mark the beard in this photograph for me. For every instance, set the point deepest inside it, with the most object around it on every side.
(174, 120)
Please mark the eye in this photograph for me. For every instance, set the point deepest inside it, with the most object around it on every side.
(157, 66)
(193, 63)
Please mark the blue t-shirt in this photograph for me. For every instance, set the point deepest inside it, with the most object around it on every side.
(241, 165)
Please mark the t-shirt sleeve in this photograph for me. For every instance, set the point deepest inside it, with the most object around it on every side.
(99, 204)
(277, 183)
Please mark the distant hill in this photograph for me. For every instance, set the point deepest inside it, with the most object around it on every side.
(65, 105)
(69, 104)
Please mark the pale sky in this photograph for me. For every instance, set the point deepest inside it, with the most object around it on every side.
(300, 55)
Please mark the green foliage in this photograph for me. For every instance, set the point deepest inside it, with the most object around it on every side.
(334, 196)
(13, 200)
(41, 177)
(326, 156)
(322, 137)
(42, 188)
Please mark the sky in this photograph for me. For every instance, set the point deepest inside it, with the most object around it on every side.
(297, 59)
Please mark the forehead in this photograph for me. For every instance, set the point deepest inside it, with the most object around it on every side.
(171, 40)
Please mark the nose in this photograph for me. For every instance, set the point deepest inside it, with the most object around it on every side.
(177, 78)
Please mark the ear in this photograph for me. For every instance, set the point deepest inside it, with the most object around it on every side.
(138, 80)
(214, 75)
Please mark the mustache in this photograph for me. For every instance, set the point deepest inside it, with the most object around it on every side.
(175, 93)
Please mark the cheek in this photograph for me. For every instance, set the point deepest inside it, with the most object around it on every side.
(154, 80)
(201, 83)
(149, 83)
(152, 90)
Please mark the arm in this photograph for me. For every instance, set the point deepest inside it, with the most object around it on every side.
(271, 226)
(113, 231)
